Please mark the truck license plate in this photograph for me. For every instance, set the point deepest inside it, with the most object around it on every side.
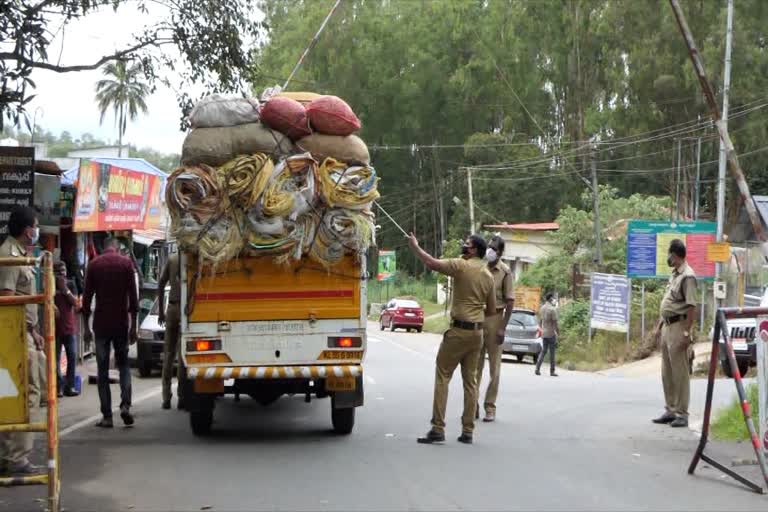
(340, 384)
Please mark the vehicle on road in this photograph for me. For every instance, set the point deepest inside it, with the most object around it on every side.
(265, 329)
(402, 314)
(149, 347)
(742, 334)
(523, 335)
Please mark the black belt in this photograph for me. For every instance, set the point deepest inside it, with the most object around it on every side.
(674, 319)
(173, 303)
(470, 326)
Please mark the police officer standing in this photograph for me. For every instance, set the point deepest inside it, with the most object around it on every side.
(678, 310)
(495, 325)
(473, 299)
(171, 318)
(23, 231)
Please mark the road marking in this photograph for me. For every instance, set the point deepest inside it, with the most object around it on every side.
(370, 380)
(89, 421)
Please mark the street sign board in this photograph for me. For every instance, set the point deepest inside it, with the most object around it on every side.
(719, 252)
(648, 245)
(17, 181)
(610, 304)
(528, 297)
(387, 266)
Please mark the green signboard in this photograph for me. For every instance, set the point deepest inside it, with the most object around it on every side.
(648, 243)
(387, 266)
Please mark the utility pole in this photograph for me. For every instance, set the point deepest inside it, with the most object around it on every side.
(696, 193)
(724, 121)
(596, 212)
(471, 202)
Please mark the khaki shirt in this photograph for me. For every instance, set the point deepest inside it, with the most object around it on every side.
(20, 280)
(502, 284)
(681, 292)
(472, 288)
(172, 275)
(548, 316)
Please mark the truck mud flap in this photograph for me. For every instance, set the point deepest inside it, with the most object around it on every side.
(347, 399)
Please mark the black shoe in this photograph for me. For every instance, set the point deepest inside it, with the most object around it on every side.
(553, 374)
(105, 423)
(71, 392)
(432, 437)
(679, 422)
(166, 404)
(538, 372)
(126, 416)
(665, 418)
(60, 394)
(181, 405)
(26, 469)
(465, 438)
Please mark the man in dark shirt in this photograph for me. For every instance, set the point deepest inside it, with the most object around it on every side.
(110, 278)
(66, 304)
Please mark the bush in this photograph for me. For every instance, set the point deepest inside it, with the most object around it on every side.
(729, 421)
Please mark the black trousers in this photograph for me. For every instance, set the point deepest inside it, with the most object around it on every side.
(550, 345)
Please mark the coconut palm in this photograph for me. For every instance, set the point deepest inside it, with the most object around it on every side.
(124, 91)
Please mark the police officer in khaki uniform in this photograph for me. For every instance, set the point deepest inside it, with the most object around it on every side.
(171, 318)
(678, 310)
(495, 325)
(23, 231)
(473, 299)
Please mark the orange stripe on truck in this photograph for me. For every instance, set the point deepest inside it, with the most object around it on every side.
(309, 294)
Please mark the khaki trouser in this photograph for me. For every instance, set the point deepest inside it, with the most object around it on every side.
(462, 347)
(675, 374)
(171, 350)
(493, 348)
(16, 447)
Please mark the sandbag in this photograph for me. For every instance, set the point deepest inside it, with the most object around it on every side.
(305, 98)
(217, 111)
(350, 149)
(333, 116)
(217, 146)
(286, 116)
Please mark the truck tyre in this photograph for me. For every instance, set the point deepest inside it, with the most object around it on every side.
(201, 415)
(743, 368)
(145, 368)
(343, 419)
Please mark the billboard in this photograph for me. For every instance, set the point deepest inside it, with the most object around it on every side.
(112, 198)
(387, 266)
(609, 307)
(648, 243)
(17, 181)
(528, 297)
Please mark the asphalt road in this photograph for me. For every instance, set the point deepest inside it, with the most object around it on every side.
(578, 442)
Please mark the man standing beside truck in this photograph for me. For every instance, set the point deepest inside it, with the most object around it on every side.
(473, 300)
(678, 310)
(495, 325)
(171, 318)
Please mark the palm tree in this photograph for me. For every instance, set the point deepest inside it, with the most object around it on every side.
(125, 92)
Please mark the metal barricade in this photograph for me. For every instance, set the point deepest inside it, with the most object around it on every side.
(721, 331)
(50, 426)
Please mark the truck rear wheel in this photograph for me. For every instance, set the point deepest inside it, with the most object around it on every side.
(201, 416)
(343, 419)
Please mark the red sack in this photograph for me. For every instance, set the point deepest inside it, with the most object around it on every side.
(332, 116)
(286, 116)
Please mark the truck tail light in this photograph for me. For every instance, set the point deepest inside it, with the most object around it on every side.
(203, 345)
(344, 342)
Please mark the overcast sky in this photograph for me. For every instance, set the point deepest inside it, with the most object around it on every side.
(66, 101)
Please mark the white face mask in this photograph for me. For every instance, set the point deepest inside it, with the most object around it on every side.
(36, 236)
(491, 256)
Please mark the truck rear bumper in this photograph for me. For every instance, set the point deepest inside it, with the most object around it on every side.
(274, 372)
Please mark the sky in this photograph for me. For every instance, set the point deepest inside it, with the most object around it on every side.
(66, 101)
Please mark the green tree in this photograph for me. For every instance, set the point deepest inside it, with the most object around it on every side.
(124, 92)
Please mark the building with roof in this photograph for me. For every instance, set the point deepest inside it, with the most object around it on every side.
(525, 243)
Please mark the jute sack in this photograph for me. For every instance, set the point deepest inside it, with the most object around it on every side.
(350, 149)
(305, 98)
(216, 146)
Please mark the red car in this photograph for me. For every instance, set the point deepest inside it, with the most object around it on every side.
(403, 314)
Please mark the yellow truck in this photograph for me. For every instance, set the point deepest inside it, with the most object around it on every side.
(254, 327)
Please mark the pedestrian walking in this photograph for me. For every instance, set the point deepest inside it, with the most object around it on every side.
(549, 333)
(23, 232)
(473, 299)
(110, 279)
(66, 329)
(678, 310)
(171, 318)
(495, 325)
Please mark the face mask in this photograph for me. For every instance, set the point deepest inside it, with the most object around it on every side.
(465, 250)
(670, 261)
(491, 256)
(36, 236)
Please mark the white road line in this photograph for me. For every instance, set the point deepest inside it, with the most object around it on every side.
(370, 380)
(90, 421)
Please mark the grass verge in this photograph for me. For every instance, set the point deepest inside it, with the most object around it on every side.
(729, 421)
(436, 325)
